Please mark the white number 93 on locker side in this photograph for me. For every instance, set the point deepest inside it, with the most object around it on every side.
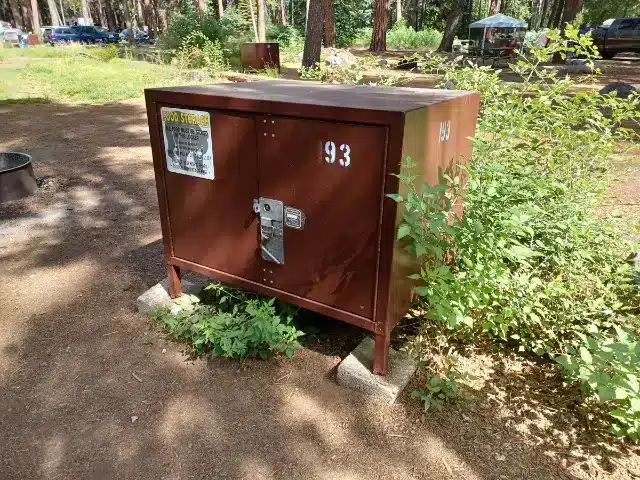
(344, 154)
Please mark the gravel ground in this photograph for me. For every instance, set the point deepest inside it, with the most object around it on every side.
(73, 259)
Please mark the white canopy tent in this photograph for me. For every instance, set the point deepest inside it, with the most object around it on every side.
(498, 21)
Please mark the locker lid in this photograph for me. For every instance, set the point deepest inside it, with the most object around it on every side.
(353, 97)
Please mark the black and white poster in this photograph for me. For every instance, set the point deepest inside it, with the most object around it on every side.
(187, 142)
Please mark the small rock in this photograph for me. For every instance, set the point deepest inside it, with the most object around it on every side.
(333, 61)
(500, 458)
(623, 90)
(164, 350)
(465, 418)
(383, 62)
(133, 419)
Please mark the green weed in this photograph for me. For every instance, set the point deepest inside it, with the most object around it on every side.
(233, 324)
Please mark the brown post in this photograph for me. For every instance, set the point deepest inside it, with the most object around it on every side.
(381, 353)
(175, 282)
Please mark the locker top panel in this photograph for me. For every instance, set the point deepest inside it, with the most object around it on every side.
(344, 103)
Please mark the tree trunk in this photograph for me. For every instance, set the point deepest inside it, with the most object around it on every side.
(149, 18)
(53, 12)
(101, 14)
(25, 8)
(127, 22)
(253, 21)
(86, 13)
(329, 25)
(17, 15)
(380, 21)
(262, 27)
(446, 45)
(111, 18)
(139, 17)
(313, 34)
(557, 14)
(283, 12)
(543, 14)
(398, 10)
(220, 8)
(200, 7)
(494, 7)
(35, 17)
(570, 11)
(306, 17)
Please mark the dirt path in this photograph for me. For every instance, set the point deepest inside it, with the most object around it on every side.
(73, 259)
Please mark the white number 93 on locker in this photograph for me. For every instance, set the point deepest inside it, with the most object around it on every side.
(344, 155)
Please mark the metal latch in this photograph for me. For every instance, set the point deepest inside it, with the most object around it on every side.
(271, 229)
(274, 216)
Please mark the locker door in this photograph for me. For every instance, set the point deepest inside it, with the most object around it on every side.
(327, 179)
(212, 221)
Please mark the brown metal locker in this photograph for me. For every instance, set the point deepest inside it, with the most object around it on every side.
(281, 188)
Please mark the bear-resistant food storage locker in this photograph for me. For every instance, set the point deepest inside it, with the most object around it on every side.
(281, 188)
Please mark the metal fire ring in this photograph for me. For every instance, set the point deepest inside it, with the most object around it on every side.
(16, 176)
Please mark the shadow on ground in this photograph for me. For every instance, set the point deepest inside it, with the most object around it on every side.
(90, 389)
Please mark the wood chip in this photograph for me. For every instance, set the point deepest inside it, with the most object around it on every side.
(446, 465)
(110, 333)
(136, 377)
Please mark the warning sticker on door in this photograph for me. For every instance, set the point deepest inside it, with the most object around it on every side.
(187, 141)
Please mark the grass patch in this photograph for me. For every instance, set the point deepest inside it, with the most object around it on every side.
(84, 79)
(42, 51)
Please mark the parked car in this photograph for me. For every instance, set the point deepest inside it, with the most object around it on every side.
(59, 35)
(89, 34)
(112, 37)
(13, 38)
(621, 35)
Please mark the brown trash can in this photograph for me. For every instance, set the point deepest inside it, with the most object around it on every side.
(281, 188)
(33, 39)
(258, 56)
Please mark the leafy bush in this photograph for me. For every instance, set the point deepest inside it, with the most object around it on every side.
(232, 324)
(197, 51)
(183, 24)
(607, 368)
(352, 74)
(363, 37)
(350, 16)
(106, 53)
(441, 384)
(403, 36)
(283, 34)
(530, 264)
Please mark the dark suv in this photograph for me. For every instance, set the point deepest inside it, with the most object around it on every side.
(58, 35)
(89, 34)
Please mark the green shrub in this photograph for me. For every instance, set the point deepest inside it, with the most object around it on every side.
(403, 36)
(530, 264)
(363, 37)
(105, 53)
(181, 25)
(353, 74)
(197, 51)
(607, 368)
(233, 324)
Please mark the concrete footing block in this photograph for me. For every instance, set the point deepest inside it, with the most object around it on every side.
(355, 372)
(158, 296)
